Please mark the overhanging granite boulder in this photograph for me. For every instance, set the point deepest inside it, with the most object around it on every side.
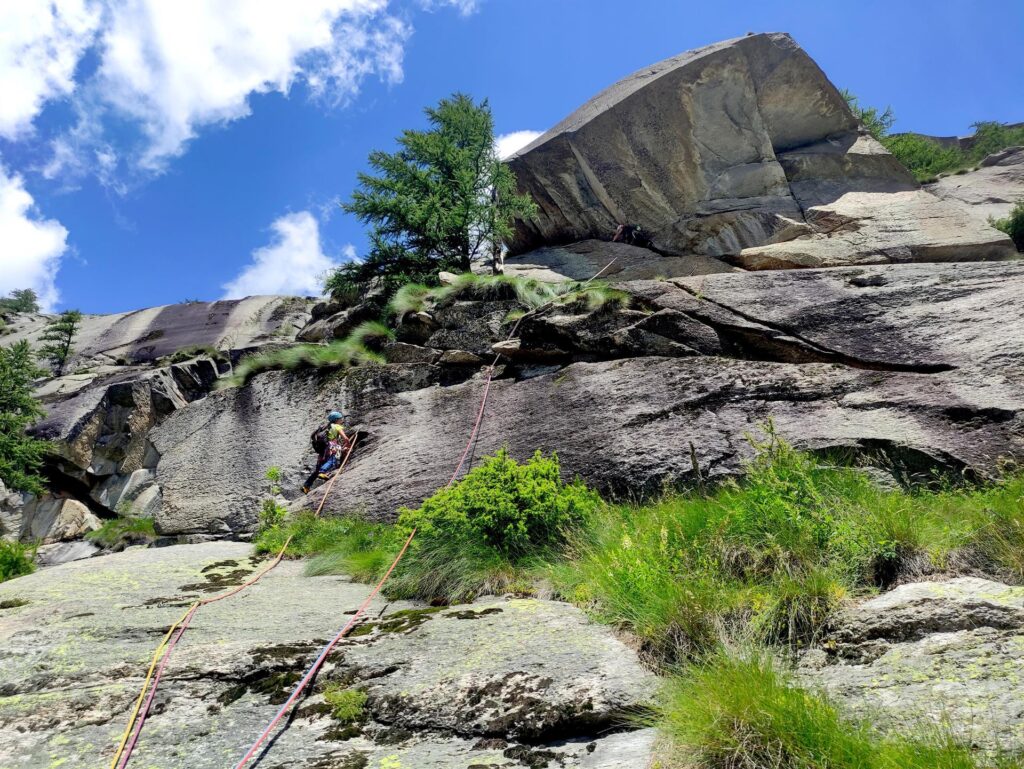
(744, 144)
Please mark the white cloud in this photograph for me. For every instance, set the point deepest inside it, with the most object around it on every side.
(40, 46)
(169, 68)
(177, 66)
(464, 7)
(31, 247)
(293, 263)
(510, 143)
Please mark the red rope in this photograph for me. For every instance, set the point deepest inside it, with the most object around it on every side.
(128, 749)
(322, 657)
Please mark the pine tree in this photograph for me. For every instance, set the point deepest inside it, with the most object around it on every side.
(441, 202)
(20, 454)
(20, 300)
(59, 336)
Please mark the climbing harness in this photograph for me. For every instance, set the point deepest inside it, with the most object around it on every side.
(163, 651)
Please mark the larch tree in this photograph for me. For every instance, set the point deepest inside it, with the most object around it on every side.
(443, 201)
(59, 337)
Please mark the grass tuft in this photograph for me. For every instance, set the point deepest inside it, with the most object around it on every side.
(735, 713)
(120, 532)
(16, 559)
(343, 353)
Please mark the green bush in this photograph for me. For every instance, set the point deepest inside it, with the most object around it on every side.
(1013, 225)
(925, 158)
(16, 559)
(876, 121)
(515, 510)
(739, 713)
(347, 705)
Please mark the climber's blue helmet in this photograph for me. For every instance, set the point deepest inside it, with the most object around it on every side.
(335, 416)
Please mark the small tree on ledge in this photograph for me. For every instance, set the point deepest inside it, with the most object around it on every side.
(441, 202)
(59, 335)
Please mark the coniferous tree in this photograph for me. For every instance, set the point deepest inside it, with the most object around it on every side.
(20, 300)
(441, 202)
(20, 454)
(59, 336)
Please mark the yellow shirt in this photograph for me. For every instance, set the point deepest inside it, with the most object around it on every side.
(336, 433)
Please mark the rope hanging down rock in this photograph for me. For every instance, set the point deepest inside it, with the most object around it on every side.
(177, 630)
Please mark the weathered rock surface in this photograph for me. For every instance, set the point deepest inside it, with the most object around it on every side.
(923, 363)
(447, 689)
(614, 261)
(941, 653)
(145, 335)
(991, 190)
(742, 148)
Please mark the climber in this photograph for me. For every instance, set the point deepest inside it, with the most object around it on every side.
(330, 444)
(633, 235)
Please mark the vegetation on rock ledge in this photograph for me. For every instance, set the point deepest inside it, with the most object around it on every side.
(926, 158)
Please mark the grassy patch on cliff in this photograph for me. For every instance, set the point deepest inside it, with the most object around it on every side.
(118, 533)
(927, 159)
(359, 347)
(732, 713)
(768, 559)
(530, 293)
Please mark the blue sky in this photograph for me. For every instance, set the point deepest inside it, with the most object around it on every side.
(153, 152)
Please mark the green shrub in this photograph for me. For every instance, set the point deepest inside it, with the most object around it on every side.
(347, 705)
(924, 157)
(992, 136)
(118, 533)
(514, 509)
(16, 559)
(745, 713)
(877, 122)
(1013, 225)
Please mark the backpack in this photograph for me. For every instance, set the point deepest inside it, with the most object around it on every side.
(318, 439)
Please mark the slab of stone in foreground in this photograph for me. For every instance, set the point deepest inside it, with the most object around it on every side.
(448, 689)
(520, 668)
(934, 654)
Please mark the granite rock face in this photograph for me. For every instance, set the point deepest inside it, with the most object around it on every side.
(145, 335)
(921, 363)
(990, 191)
(75, 641)
(612, 261)
(935, 653)
(741, 149)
